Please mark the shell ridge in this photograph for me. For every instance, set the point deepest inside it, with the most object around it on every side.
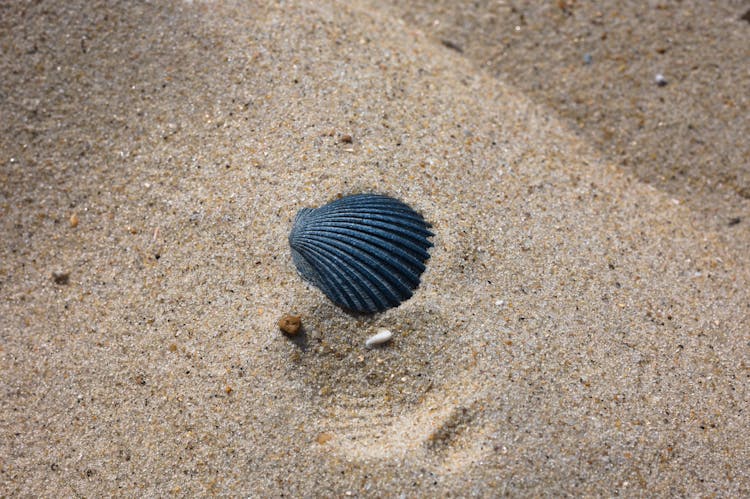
(399, 283)
(386, 211)
(419, 252)
(368, 201)
(338, 255)
(363, 285)
(394, 278)
(333, 269)
(360, 199)
(388, 206)
(412, 228)
(329, 273)
(368, 205)
(385, 229)
(385, 253)
(381, 209)
(384, 294)
(328, 281)
(381, 244)
(375, 278)
(365, 252)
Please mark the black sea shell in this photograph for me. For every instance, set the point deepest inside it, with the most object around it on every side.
(366, 252)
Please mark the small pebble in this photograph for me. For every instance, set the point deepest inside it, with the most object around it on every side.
(74, 220)
(290, 324)
(383, 336)
(347, 139)
(61, 277)
(660, 80)
(324, 437)
(587, 59)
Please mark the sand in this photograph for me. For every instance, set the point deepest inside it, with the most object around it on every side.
(581, 328)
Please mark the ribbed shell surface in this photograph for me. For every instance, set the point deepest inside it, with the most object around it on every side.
(366, 252)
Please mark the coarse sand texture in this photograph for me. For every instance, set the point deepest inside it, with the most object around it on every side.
(580, 329)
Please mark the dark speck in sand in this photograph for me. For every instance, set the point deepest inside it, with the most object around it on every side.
(734, 221)
(453, 46)
(61, 278)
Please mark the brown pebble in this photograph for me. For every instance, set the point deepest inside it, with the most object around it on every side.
(323, 438)
(74, 220)
(61, 277)
(347, 139)
(290, 324)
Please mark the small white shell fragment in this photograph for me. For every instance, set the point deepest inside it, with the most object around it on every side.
(383, 336)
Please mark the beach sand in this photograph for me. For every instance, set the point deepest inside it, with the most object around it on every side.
(582, 327)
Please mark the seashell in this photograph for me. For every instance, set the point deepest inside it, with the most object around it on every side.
(366, 252)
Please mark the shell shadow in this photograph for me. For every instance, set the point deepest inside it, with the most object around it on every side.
(300, 340)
